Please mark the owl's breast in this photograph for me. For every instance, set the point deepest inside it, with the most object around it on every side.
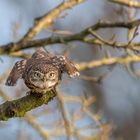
(41, 87)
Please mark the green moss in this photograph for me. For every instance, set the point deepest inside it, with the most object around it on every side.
(18, 108)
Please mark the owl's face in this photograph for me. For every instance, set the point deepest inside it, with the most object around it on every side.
(42, 79)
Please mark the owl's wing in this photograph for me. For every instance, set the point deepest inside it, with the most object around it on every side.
(16, 73)
(41, 53)
(65, 65)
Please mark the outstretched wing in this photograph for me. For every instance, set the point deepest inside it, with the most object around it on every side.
(16, 73)
(41, 53)
(65, 65)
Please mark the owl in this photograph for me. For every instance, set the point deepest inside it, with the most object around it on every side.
(42, 72)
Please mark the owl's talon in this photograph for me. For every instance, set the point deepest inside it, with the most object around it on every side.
(38, 95)
(28, 93)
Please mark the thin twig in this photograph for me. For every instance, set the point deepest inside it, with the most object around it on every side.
(108, 61)
(81, 36)
(128, 3)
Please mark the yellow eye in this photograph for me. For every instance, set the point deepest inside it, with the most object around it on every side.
(51, 75)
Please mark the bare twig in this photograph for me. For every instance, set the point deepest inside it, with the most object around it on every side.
(65, 117)
(47, 20)
(33, 122)
(108, 61)
(128, 3)
(81, 36)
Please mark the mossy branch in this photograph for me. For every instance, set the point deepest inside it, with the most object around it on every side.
(18, 107)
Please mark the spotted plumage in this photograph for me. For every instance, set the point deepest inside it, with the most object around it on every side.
(42, 72)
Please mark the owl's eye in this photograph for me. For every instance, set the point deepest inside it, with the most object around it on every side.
(37, 75)
(51, 75)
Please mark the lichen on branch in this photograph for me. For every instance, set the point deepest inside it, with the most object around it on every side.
(18, 107)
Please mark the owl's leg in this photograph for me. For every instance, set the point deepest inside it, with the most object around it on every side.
(28, 92)
(53, 90)
(34, 93)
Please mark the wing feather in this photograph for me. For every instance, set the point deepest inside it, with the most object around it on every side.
(65, 65)
(16, 73)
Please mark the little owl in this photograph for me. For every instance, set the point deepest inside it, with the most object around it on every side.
(42, 72)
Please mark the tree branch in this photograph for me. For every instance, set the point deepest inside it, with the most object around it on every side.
(40, 23)
(81, 36)
(128, 3)
(108, 61)
(47, 20)
(18, 107)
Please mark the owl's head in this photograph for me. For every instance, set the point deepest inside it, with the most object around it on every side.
(43, 78)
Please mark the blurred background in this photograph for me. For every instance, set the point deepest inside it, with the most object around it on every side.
(84, 109)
